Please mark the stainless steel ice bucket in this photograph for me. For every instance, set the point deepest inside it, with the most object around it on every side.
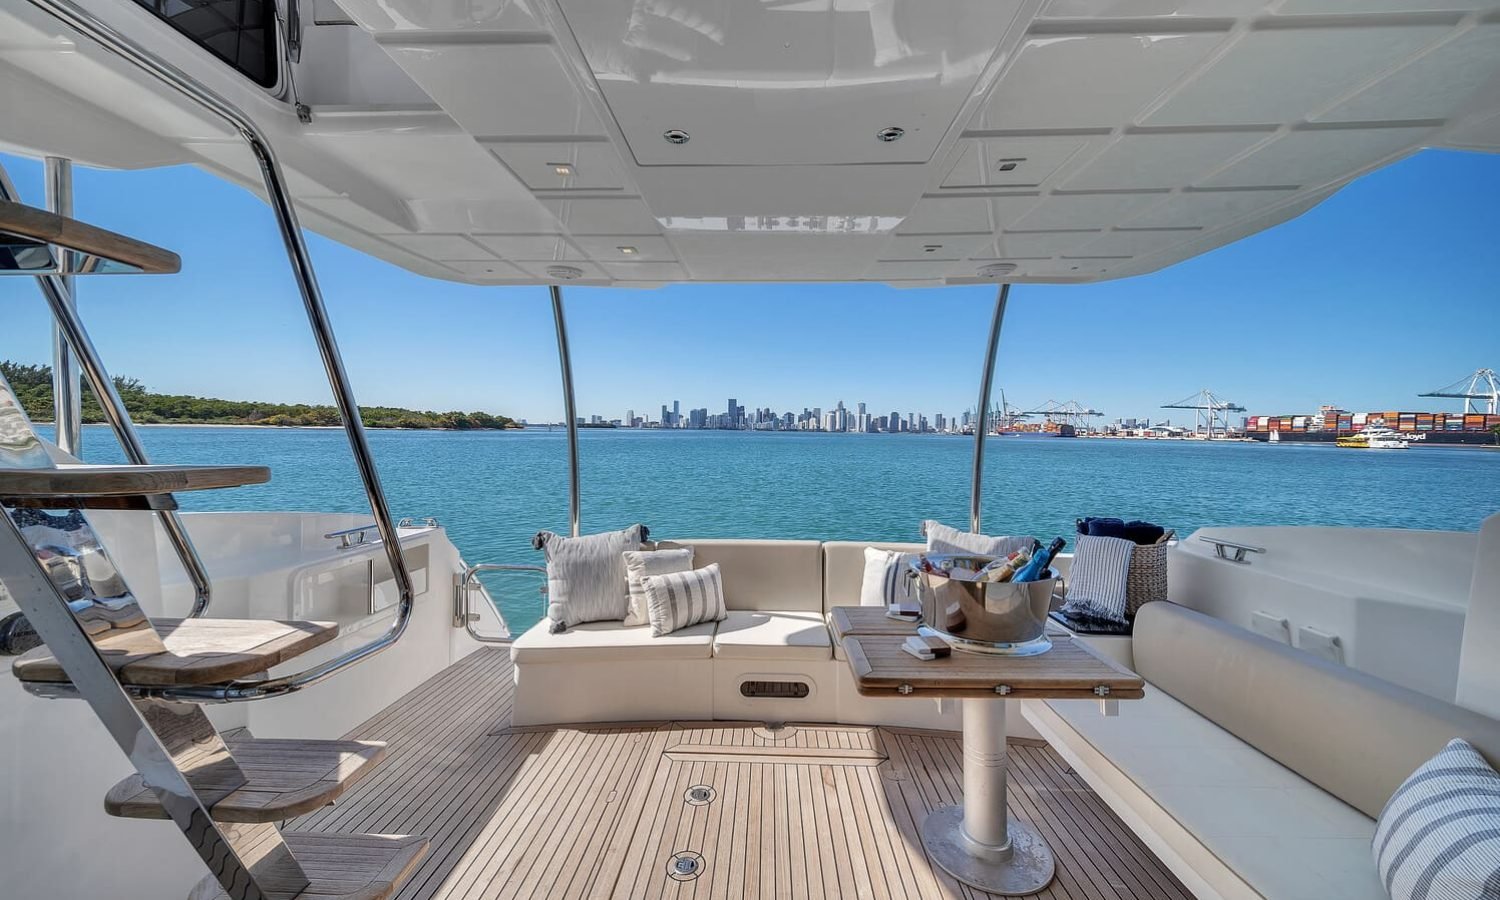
(1004, 618)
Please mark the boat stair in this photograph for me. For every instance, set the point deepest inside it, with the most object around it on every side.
(148, 680)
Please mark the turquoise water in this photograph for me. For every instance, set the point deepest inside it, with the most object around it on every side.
(493, 490)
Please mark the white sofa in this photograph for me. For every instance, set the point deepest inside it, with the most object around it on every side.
(779, 595)
(1250, 768)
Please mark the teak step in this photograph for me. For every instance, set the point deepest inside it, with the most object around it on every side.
(199, 651)
(348, 866)
(114, 486)
(287, 778)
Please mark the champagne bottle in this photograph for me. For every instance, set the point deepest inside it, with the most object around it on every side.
(1004, 568)
(1040, 560)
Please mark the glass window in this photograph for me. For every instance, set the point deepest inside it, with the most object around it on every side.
(240, 32)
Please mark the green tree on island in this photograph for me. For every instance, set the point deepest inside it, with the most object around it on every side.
(33, 387)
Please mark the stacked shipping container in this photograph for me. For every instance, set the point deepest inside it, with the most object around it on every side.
(1437, 428)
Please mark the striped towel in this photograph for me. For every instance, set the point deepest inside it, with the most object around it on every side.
(1096, 585)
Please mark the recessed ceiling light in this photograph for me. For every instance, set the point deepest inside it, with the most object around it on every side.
(890, 133)
(561, 168)
(676, 136)
(628, 251)
(1009, 165)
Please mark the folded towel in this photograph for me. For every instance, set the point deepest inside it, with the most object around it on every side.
(1136, 531)
(1143, 532)
(1096, 586)
(1104, 526)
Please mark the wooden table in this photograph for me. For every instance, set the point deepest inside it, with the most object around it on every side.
(979, 843)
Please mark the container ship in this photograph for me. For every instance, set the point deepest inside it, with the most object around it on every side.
(1420, 428)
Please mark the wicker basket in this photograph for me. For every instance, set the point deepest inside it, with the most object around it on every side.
(1147, 580)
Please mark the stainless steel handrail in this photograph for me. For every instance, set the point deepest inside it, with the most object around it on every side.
(1221, 548)
(67, 400)
(280, 199)
(982, 427)
(66, 317)
(467, 583)
(565, 361)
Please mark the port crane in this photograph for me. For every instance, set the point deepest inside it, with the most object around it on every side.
(1069, 413)
(1212, 412)
(1482, 385)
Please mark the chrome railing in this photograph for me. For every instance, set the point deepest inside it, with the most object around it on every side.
(467, 583)
(70, 325)
(1230, 550)
(280, 199)
(982, 427)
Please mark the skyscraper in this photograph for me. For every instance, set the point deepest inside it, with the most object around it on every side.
(676, 414)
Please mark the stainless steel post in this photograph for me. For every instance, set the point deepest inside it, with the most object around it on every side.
(979, 843)
(565, 360)
(67, 400)
(982, 427)
(70, 325)
(110, 40)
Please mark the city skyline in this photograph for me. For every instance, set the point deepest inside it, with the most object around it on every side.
(735, 417)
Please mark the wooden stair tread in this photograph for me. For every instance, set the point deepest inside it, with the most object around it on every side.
(199, 651)
(124, 481)
(287, 778)
(343, 866)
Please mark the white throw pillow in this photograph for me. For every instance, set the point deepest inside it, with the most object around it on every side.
(681, 599)
(942, 539)
(1438, 837)
(639, 564)
(586, 575)
(886, 579)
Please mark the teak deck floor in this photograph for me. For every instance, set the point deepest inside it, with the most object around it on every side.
(806, 811)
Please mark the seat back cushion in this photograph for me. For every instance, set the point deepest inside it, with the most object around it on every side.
(1354, 735)
(844, 568)
(764, 576)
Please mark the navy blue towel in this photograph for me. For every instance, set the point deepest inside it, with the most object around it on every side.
(1137, 531)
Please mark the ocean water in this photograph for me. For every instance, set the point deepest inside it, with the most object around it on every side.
(493, 490)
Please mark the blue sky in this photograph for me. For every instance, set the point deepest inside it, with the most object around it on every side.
(1387, 289)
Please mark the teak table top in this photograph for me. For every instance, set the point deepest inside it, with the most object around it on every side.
(1070, 670)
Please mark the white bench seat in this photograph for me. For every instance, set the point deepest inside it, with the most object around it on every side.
(1268, 831)
(610, 642)
(786, 636)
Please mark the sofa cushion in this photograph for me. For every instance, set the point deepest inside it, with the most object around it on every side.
(783, 635)
(610, 642)
(1278, 832)
(764, 575)
(1354, 735)
(844, 568)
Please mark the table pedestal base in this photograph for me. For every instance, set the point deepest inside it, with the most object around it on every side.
(1025, 869)
(980, 843)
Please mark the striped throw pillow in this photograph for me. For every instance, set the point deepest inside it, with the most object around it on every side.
(1100, 572)
(680, 599)
(886, 580)
(1438, 837)
(639, 564)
